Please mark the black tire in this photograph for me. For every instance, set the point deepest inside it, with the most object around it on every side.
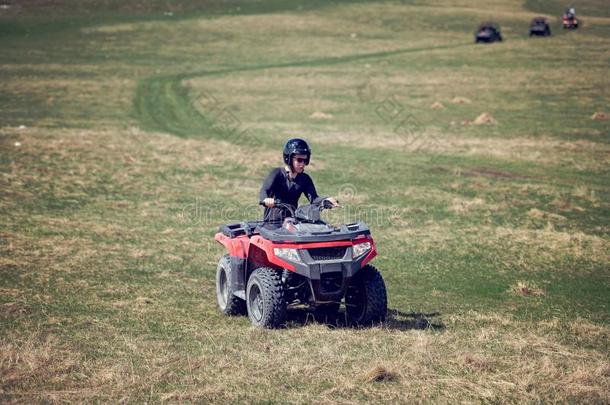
(265, 298)
(228, 303)
(366, 300)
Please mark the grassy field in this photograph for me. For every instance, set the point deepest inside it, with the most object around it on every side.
(130, 130)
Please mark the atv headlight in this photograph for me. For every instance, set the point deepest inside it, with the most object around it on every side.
(360, 249)
(289, 254)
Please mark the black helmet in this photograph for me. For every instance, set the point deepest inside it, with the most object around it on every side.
(296, 146)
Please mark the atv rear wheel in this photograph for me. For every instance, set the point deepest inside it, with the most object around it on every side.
(228, 303)
(265, 298)
(366, 299)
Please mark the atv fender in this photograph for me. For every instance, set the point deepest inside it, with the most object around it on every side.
(261, 253)
(238, 280)
(235, 246)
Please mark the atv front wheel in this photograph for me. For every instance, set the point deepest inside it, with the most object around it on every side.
(265, 298)
(366, 299)
(228, 303)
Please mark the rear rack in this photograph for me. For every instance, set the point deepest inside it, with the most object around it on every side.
(233, 230)
(247, 228)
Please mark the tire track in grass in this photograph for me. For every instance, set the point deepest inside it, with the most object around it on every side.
(163, 103)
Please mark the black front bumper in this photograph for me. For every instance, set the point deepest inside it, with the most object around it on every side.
(328, 279)
(538, 31)
(328, 276)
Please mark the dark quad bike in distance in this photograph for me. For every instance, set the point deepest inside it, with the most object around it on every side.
(487, 32)
(307, 262)
(540, 27)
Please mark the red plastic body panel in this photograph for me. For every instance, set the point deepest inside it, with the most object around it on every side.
(237, 247)
(267, 246)
(241, 246)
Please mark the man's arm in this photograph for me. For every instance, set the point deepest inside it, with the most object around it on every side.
(267, 187)
(310, 190)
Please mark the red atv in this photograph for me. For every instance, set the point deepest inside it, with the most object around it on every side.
(306, 261)
(569, 21)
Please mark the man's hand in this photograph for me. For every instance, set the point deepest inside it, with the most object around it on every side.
(269, 202)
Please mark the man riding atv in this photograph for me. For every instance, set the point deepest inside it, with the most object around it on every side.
(294, 258)
(569, 19)
(288, 183)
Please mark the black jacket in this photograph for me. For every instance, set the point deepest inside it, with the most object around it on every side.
(279, 185)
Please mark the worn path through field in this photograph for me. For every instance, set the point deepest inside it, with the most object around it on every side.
(164, 103)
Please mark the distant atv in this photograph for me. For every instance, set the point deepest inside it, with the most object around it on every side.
(487, 32)
(306, 261)
(539, 26)
(569, 21)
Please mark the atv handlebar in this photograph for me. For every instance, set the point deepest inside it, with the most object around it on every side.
(305, 213)
(279, 204)
(275, 202)
(324, 204)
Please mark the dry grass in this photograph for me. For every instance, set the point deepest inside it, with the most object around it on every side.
(84, 150)
(460, 100)
(106, 252)
(527, 289)
(380, 374)
(600, 116)
(544, 243)
(437, 106)
(582, 155)
(463, 206)
(39, 361)
(485, 119)
(478, 356)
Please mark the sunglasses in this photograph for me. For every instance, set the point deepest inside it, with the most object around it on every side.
(301, 160)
